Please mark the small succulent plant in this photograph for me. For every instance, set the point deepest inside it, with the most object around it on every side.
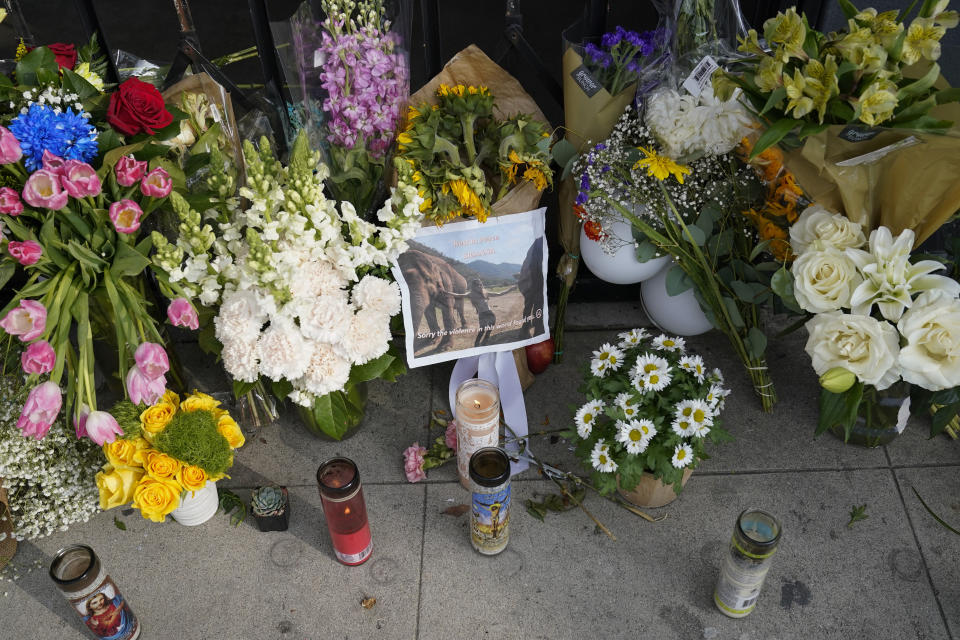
(268, 501)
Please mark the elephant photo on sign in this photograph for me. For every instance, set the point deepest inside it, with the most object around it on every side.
(470, 288)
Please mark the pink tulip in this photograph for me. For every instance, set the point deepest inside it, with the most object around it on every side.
(10, 202)
(125, 216)
(413, 463)
(157, 184)
(38, 358)
(152, 360)
(26, 253)
(129, 171)
(80, 179)
(143, 390)
(9, 147)
(182, 314)
(102, 427)
(52, 163)
(43, 189)
(40, 410)
(27, 320)
(80, 421)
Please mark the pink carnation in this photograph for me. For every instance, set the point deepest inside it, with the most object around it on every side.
(413, 462)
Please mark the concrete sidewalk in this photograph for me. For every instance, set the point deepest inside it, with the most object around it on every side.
(893, 575)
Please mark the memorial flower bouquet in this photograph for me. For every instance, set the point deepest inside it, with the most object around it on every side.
(299, 283)
(622, 56)
(167, 449)
(694, 213)
(71, 209)
(457, 153)
(651, 407)
(881, 322)
(800, 81)
(49, 482)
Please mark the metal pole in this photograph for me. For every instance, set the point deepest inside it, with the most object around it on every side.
(187, 30)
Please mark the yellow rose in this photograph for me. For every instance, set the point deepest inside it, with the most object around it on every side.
(171, 397)
(192, 478)
(227, 427)
(143, 451)
(198, 401)
(156, 418)
(156, 497)
(120, 452)
(161, 466)
(116, 485)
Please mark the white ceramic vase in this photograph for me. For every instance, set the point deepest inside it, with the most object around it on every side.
(677, 315)
(622, 267)
(196, 507)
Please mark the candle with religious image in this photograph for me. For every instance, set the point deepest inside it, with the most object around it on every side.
(478, 422)
(490, 508)
(346, 513)
(77, 572)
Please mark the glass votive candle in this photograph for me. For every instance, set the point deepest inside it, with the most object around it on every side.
(478, 422)
(78, 575)
(345, 511)
(490, 512)
(748, 559)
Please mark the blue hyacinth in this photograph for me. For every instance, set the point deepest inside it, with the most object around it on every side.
(65, 134)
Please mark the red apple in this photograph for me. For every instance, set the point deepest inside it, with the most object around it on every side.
(540, 355)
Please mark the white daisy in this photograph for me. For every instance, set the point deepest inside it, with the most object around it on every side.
(694, 364)
(635, 435)
(701, 430)
(600, 458)
(609, 354)
(657, 380)
(682, 456)
(587, 416)
(632, 338)
(670, 343)
(716, 396)
(716, 376)
(627, 404)
(696, 412)
(599, 367)
(683, 427)
(648, 363)
(639, 383)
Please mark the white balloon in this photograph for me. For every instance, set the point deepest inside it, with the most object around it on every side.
(678, 315)
(622, 267)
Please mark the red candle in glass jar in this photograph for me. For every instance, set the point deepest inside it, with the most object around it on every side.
(346, 513)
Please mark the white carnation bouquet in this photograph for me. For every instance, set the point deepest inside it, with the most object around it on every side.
(687, 125)
(882, 323)
(300, 283)
(651, 407)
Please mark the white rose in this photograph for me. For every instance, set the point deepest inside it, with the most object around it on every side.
(818, 228)
(931, 357)
(824, 280)
(865, 346)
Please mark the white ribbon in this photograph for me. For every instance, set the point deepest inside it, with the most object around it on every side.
(499, 369)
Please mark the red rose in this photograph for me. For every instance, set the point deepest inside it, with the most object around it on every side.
(66, 54)
(137, 106)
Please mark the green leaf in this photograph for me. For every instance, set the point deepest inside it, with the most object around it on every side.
(782, 284)
(849, 11)
(776, 96)
(646, 250)
(734, 312)
(7, 268)
(677, 281)
(948, 95)
(774, 134)
(241, 388)
(942, 417)
(119, 524)
(331, 414)
(857, 513)
(756, 343)
(696, 234)
(78, 84)
(839, 408)
(128, 261)
(749, 292)
(721, 245)
(920, 85)
(229, 501)
(758, 249)
(917, 109)
(38, 60)
(925, 123)
(935, 516)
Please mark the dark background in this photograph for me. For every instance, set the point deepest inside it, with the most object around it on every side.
(150, 29)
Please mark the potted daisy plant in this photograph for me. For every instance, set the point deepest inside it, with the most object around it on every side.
(651, 409)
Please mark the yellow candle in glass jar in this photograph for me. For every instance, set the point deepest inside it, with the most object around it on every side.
(478, 422)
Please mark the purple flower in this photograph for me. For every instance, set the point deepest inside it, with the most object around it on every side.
(582, 198)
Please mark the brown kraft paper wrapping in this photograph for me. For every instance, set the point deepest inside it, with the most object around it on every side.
(471, 66)
(8, 546)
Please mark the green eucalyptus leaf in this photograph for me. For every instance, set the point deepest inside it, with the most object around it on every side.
(697, 234)
(734, 312)
(646, 250)
(677, 281)
(756, 343)
(782, 284)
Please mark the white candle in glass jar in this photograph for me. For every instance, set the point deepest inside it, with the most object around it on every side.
(478, 422)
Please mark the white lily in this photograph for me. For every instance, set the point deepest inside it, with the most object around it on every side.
(890, 280)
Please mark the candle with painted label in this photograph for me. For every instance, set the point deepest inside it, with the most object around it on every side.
(77, 572)
(478, 422)
(344, 508)
(747, 562)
